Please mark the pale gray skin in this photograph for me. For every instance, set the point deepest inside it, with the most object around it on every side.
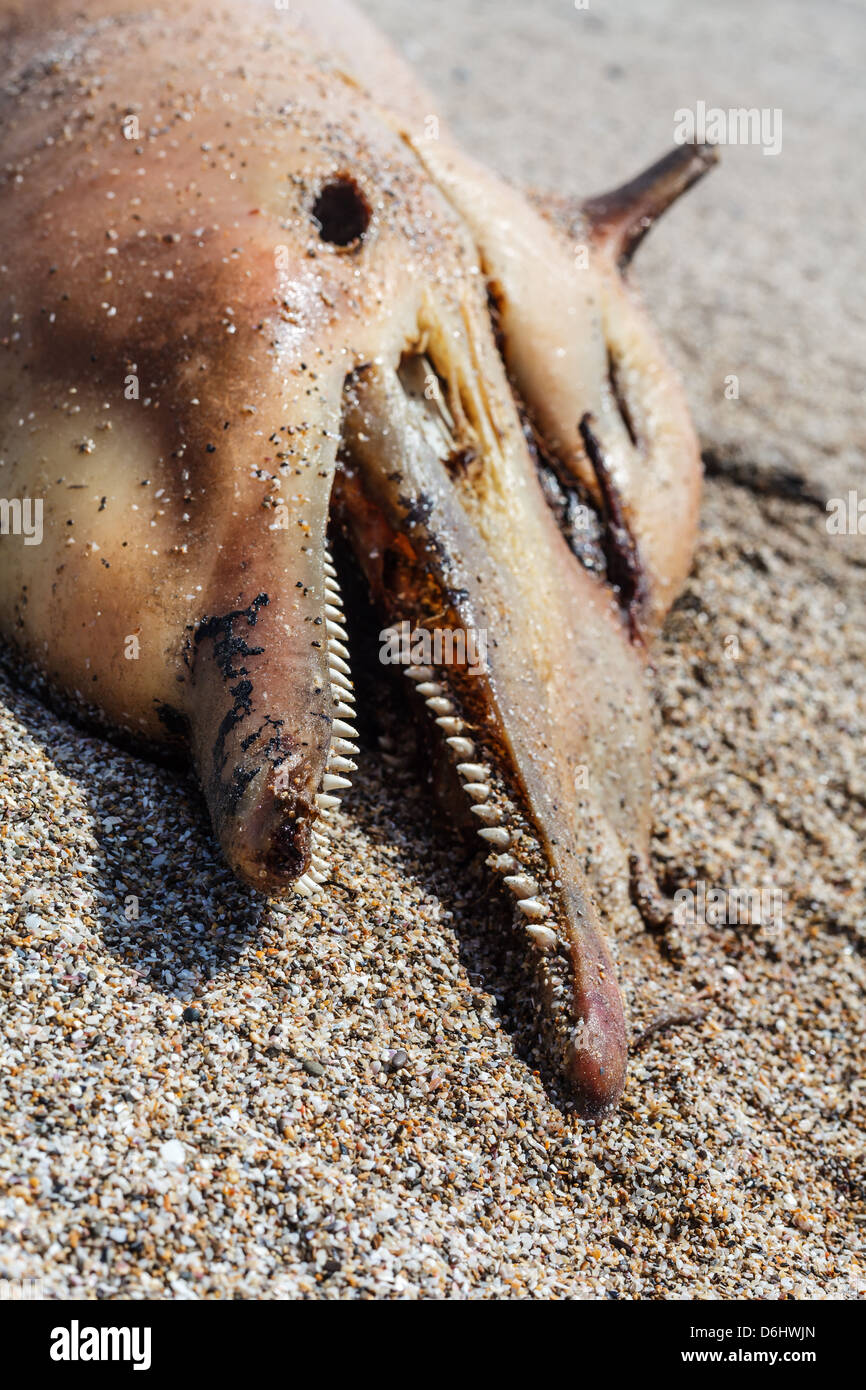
(186, 263)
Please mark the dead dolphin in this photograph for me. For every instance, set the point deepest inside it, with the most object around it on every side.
(249, 289)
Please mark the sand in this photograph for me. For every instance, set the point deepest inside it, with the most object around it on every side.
(206, 1095)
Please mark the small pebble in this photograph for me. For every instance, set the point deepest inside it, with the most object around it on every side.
(172, 1153)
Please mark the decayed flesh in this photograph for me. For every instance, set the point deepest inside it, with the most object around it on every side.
(241, 296)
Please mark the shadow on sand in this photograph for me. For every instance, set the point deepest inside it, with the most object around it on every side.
(168, 907)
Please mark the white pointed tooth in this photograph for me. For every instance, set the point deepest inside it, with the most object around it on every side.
(325, 802)
(428, 688)
(329, 568)
(342, 730)
(449, 724)
(343, 711)
(342, 745)
(319, 863)
(336, 648)
(419, 673)
(440, 705)
(331, 584)
(305, 886)
(522, 886)
(461, 747)
(337, 764)
(489, 814)
(337, 663)
(533, 908)
(335, 630)
(316, 874)
(501, 863)
(496, 835)
(477, 791)
(543, 937)
(332, 783)
(341, 681)
(331, 611)
(472, 772)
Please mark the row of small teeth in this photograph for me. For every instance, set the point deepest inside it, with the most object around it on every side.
(335, 778)
(476, 783)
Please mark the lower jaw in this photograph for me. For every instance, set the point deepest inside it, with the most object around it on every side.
(580, 1015)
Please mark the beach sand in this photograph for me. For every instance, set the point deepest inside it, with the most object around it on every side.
(206, 1095)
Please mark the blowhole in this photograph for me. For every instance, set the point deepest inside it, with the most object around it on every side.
(341, 212)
